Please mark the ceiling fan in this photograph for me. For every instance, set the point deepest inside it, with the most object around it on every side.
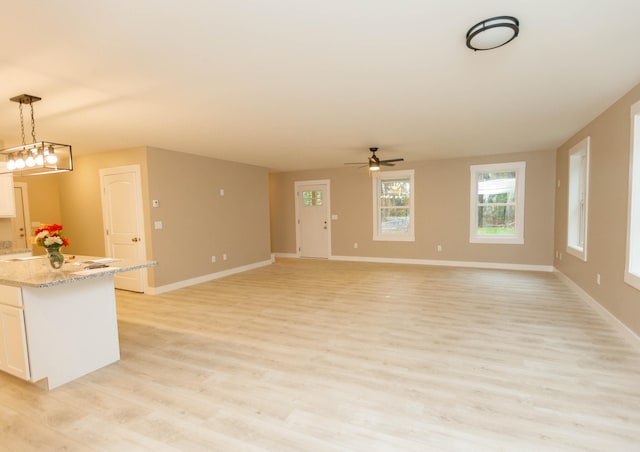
(375, 163)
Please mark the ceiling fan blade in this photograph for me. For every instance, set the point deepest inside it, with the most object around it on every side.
(355, 163)
(391, 160)
(387, 164)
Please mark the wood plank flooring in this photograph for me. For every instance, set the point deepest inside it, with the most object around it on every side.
(308, 355)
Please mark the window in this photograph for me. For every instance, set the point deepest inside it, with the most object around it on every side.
(497, 203)
(577, 215)
(632, 273)
(312, 198)
(393, 205)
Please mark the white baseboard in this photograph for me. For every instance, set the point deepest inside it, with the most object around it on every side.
(285, 255)
(491, 265)
(393, 260)
(204, 278)
(620, 327)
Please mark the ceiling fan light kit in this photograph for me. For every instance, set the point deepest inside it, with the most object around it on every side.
(38, 157)
(493, 33)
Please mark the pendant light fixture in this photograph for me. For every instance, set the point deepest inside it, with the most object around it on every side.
(493, 33)
(38, 157)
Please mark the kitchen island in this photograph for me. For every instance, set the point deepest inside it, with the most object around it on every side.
(58, 326)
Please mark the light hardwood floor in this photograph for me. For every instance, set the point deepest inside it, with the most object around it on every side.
(311, 355)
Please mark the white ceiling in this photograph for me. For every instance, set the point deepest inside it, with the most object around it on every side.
(293, 84)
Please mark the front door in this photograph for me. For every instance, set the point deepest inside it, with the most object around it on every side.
(312, 206)
(123, 222)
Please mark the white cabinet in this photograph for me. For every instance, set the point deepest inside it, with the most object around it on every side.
(7, 197)
(14, 357)
(13, 342)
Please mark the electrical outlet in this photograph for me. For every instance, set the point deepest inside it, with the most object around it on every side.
(224, 257)
(355, 245)
(598, 278)
(213, 259)
(439, 248)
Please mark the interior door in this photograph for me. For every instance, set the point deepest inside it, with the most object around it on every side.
(20, 234)
(313, 220)
(123, 222)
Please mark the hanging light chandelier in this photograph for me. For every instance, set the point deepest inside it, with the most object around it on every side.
(38, 157)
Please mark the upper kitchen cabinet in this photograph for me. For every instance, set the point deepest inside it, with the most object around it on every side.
(7, 198)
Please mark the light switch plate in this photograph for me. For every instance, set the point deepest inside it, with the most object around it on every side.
(157, 224)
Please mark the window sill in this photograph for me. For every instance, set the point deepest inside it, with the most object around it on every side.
(580, 253)
(632, 279)
(497, 240)
(394, 238)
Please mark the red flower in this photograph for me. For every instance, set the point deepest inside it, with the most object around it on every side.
(46, 232)
(49, 228)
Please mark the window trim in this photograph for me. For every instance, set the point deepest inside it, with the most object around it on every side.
(631, 274)
(574, 249)
(518, 237)
(393, 237)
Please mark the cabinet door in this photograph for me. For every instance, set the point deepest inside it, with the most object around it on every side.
(13, 342)
(7, 198)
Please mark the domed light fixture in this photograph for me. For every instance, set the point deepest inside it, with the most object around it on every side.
(493, 33)
(39, 157)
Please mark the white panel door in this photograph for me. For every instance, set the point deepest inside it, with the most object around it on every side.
(123, 222)
(313, 220)
(21, 221)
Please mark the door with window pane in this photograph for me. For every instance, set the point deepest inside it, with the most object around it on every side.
(313, 222)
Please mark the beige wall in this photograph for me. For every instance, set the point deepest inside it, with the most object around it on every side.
(442, 212)
(81, 202)
(44, 201)
(607, 222)
(199, 223)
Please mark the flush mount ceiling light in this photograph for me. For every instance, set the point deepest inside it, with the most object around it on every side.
(38, 157)
(492, 33)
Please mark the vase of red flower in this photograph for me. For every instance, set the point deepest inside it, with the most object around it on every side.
(50, 237)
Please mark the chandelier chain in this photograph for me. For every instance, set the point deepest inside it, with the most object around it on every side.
(33, 123)
(22, 124)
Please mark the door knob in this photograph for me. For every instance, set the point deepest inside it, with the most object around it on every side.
(135, 239)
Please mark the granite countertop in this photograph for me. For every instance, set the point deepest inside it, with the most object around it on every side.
(36, 272)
